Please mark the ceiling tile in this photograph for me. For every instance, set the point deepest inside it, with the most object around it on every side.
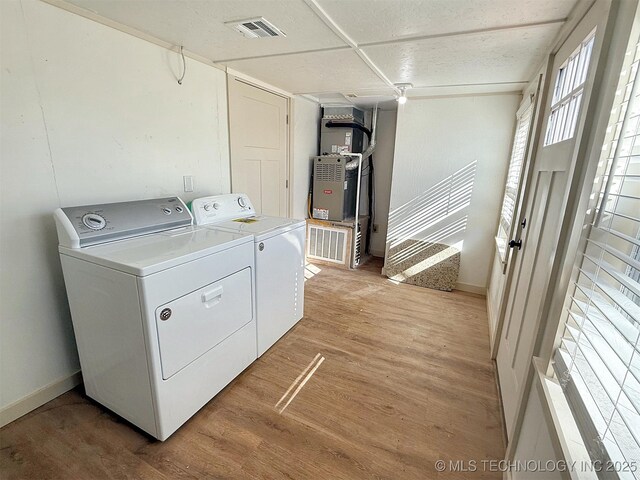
(334, 71)
(382, 20)
(199, 24)
(499, 56)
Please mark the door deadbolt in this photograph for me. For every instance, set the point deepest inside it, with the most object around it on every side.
(261, 246)
(165, 314)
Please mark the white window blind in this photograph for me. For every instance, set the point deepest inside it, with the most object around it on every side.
(598, 360)
(514, 176)
(567, 93)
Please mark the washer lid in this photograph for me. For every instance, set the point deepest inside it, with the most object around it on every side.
(261, 226)
(153, 253)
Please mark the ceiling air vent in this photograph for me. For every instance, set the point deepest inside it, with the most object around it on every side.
(256, 28)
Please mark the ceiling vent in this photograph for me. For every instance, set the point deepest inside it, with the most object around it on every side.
(256, 28)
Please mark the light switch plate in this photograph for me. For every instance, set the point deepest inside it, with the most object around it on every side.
(188, 183)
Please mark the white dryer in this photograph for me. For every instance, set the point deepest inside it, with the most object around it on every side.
(279, 256)
(162, 311)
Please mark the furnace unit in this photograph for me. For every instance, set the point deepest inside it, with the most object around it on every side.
(334, 188)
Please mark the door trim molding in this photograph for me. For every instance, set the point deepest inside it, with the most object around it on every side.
(254, 82)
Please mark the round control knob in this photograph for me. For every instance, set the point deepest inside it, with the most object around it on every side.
(242, 202)
(207, 207)
(216, 206)
(166, 211)
(94, 221)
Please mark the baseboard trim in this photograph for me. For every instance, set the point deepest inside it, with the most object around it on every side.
(467, 287)
(38, 398)
(490, 319)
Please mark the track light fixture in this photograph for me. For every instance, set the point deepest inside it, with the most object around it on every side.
(402, 89)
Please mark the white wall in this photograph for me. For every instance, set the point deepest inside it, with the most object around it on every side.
(436, 138)
(306, 121)
(89, 114)
(536, 447)
(383, 158)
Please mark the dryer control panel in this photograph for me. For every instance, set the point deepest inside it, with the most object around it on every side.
(94, 224)
(221, 208)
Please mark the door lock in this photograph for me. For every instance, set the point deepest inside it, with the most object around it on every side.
(513, 244)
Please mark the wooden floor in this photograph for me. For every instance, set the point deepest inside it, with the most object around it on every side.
(406, 380)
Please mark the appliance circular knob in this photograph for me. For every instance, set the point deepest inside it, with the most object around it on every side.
(207, 206)
(166, 211)
(216, 206)
(94, 221)
(261, 246)
(242, 202)
(165, 314)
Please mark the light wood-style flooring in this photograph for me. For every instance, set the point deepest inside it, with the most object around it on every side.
(406, 380)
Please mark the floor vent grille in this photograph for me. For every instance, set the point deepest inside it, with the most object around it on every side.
(328, 244)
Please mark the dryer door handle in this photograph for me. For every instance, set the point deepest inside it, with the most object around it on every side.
(212, 297)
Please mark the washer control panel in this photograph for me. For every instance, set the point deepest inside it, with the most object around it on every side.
(221, 208)
(93, 224)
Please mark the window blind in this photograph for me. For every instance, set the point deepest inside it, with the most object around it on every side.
(514, 175)
(598, 359)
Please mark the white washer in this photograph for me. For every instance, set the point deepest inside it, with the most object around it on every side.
(162, 311)
(279, 255)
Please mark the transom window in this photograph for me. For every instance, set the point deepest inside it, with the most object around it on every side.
(567, 93)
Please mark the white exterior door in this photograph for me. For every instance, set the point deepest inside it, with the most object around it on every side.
(258, 135)
(544, 206)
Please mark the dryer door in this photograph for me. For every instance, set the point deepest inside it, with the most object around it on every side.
(193, 324)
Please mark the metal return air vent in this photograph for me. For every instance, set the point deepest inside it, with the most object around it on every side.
(256, 28)
(328, 244)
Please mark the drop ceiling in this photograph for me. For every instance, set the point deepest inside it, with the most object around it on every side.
(357, 49)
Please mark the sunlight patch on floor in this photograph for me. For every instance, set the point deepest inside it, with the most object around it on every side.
(310, 271)
(299, 383)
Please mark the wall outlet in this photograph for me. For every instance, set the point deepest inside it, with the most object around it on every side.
(375, 227)
(188, 183)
